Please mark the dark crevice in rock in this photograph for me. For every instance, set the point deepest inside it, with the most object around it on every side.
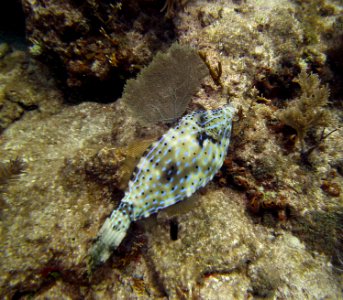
(174, 229)
(12, 20)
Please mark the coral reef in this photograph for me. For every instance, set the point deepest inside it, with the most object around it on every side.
(267, 227)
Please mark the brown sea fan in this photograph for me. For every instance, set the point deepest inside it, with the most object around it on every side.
(162, 90)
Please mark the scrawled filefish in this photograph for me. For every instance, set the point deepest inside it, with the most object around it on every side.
(184, 159)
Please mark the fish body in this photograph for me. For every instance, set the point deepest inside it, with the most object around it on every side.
(184, 159)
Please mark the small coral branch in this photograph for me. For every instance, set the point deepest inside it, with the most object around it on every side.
(305, 153)
(215, 72)
(308, 111)
(10, 170)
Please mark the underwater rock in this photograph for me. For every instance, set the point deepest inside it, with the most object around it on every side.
(219, 244)
(20, 78)
(41, 213)
(298, 273)
(209, 229)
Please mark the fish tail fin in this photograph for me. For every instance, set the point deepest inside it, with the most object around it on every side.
(109, 238)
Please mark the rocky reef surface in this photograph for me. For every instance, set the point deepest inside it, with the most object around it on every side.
(269, 226)
(96, 43)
